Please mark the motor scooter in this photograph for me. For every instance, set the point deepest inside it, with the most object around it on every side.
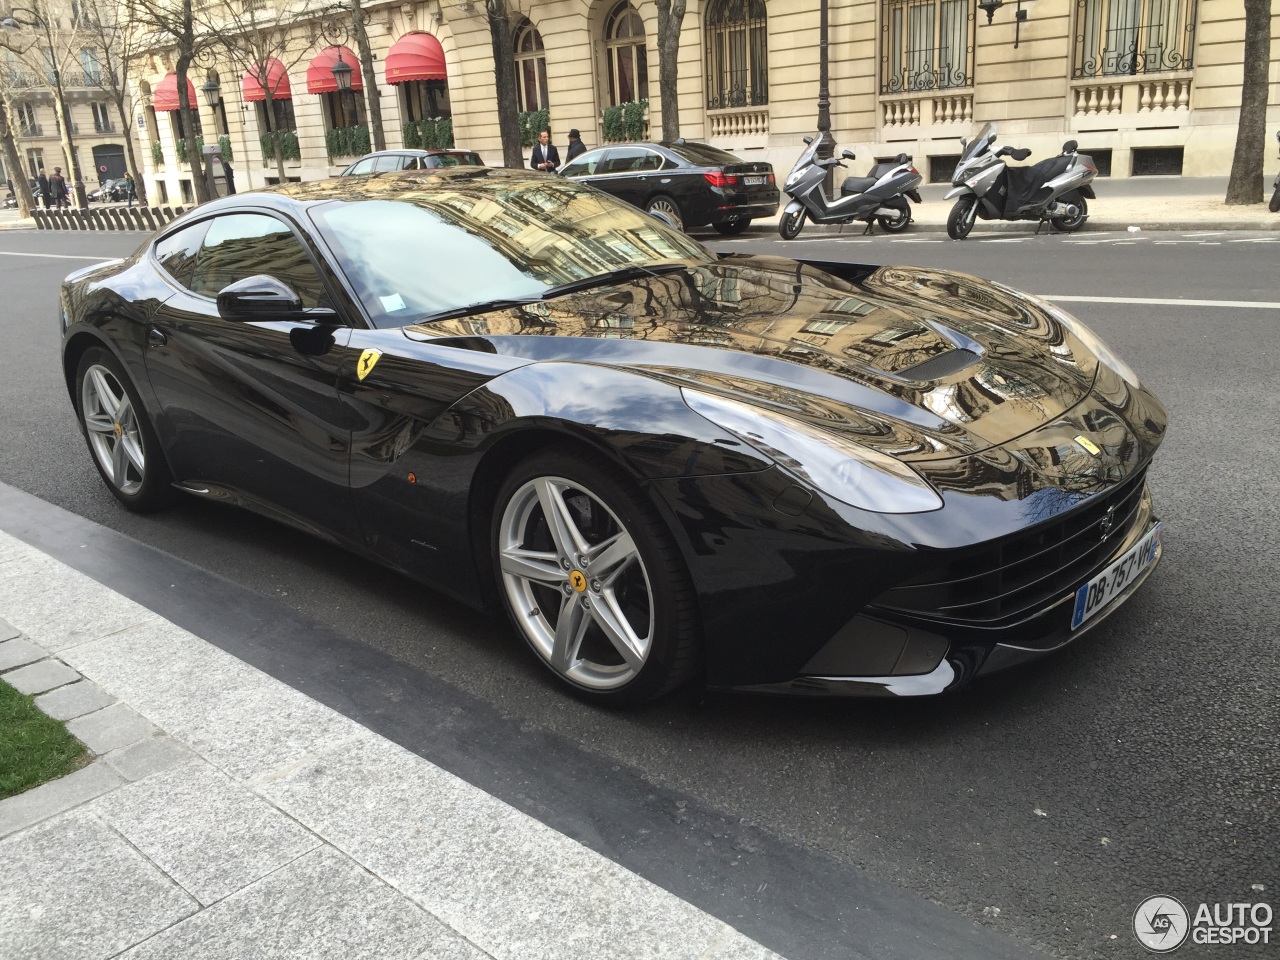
(879, 198)
(1054, 190)
(1274, 205)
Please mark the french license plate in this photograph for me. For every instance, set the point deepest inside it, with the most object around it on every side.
(753, 181)
(1110, 583)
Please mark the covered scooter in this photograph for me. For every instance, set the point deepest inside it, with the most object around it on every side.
(879, 198)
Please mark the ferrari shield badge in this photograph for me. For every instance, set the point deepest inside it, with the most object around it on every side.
(1084, 442)
(366, 363)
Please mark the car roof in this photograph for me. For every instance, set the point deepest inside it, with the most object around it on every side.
(415, 152)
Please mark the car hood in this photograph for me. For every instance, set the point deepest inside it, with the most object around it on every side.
(921, 363)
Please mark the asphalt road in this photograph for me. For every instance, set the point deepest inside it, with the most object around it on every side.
(1142, 761)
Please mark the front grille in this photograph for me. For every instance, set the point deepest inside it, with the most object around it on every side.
(1001, 585)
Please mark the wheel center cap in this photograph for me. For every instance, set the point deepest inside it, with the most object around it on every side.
(578, 580)
(118, 429)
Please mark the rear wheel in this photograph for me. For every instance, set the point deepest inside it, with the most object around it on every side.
(123, 443)
(666, 210)
(1072, 224)
(791, 224)
(592, 579)
(960, 221)
(901, 221)
(731, 228)
(1274, 206)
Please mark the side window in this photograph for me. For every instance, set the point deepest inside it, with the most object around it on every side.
(649, 161)
(387, 164)
(363, 166)
(240, 245)
(410, 163)
(624, 160)
(177, 252)
(585, 165)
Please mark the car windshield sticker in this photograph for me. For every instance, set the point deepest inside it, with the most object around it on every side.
(392, 303)
(366, 362)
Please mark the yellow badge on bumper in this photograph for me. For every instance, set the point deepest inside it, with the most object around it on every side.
(366, 362)
(1088, 445)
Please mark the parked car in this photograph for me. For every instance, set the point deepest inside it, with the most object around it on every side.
(109, 191)
(389, 161)
(788, 476)
(686, 184)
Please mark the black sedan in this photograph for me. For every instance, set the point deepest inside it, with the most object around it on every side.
(777, 475)
(686, 184)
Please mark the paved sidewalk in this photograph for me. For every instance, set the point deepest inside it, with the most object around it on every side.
(227, 815)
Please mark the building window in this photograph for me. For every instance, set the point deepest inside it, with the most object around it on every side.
(1116, 38)
(737, 54)
(342, 110)
(425, 99)
(26, 117)
(625, 55)
(175, 122)
(282, 114)
(102, 118)
(92, 67)
(531, 68)
(926, 45)
(35, 160)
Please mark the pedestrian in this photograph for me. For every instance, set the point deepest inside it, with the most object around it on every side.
(46, 196)
(130, 188)
(545, 155)
(58, 189)
(230, 175)
(576, 147)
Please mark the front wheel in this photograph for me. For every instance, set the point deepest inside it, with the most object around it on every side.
(791, 224)
(960, 221)
(1274, 205)
(731, 228)
(1072, 224)
(592, 580)
(900, 222)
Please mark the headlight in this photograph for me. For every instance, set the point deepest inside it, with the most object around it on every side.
(1094, 343)
(851, 473)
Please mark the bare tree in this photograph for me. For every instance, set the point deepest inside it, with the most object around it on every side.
(504, 75)
(370, 75)
(1245, 185)
(110, 27)
(13, 162)
(173, 24)
(670, 16)
(256, 39)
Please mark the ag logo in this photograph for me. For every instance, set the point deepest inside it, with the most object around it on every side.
(364, 366)
(1161, 924)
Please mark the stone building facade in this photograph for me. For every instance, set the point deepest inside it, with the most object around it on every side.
(1146, 86)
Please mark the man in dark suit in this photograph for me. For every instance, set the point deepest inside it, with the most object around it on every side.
(545, 155)
(576, 147)
(42, 182)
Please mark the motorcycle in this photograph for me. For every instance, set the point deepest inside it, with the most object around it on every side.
(1056, 190)
(1274, 205)
(880, 197)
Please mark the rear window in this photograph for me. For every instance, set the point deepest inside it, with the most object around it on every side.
(702, 155)
(456, 159)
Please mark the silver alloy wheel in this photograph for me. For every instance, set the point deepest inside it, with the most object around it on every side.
(576, 583)
(114, 434)
(667, 211)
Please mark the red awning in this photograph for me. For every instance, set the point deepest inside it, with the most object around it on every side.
(320, 73)
(416, 56)
(165, 95)
(277, 82)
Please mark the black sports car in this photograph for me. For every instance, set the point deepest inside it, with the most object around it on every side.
(685, 184)
(783, 476)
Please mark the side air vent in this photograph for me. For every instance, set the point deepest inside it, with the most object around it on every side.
(943, 365)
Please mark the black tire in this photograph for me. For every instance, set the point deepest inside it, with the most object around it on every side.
(791, 224)
(667, 210)
(960, 220)
(899, 223)
(653, 588)
(1274, 205)
(731, 228)
(142, 482)
(1072, 224)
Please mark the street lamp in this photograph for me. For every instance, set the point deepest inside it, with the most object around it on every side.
(212, 92)
(989, 7)
(12, 23)
(342, 75)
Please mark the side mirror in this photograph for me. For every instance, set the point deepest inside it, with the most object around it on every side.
(259, 297)
(808, 140)
(848, 155)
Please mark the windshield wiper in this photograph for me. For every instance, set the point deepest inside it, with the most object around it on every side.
(485, 306)
(633, 272)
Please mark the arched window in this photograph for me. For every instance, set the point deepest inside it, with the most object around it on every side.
(625, 55)
(531, 68)
(737, 54)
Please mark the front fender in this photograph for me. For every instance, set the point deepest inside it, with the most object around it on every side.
(795, 206)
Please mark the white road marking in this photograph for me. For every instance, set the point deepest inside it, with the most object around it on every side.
(908, 240)
(1005, 240)
(53, 256)
(1159, 302)
(1255, 240)
(1214, 233)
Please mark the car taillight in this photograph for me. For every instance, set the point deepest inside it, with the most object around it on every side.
(771, 179)
(717, 178)
(915, 172)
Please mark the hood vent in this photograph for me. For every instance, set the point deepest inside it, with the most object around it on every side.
(943, 365)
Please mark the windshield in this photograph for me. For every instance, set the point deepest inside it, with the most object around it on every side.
(980, 143)
(422, 250)
(806, 157)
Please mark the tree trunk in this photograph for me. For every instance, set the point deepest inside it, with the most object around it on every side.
(1245, 185)
(21, 186)
(189, 116)
(370, 77)
(277, 148)
(126, 124)
(73, 167)
(670, 16)
(504, 75)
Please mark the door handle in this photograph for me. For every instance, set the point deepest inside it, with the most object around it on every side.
(156, 337)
